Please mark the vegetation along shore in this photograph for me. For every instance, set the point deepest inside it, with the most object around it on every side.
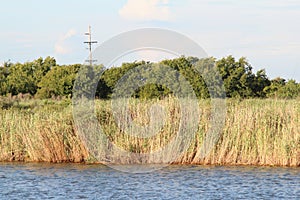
(262, 125)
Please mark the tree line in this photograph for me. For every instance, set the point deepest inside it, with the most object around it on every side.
(44, 78)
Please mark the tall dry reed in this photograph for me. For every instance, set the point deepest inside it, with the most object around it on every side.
(256, 132)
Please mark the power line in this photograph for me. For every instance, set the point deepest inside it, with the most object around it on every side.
(90, 43)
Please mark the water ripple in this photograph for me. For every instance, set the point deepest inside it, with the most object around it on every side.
(76, 181)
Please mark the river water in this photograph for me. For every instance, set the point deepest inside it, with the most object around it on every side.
(79, 181)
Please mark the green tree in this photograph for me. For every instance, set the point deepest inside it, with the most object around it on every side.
(112, 76)
(290, 90)
(187, 67)
(4, 72)
(275, 85)
(89, 83)
(24, 78)
(260, 82)
(21, 80)
(58, 81)
(237, 76)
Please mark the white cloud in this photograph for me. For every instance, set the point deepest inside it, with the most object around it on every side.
(61, 47)
(146, 10)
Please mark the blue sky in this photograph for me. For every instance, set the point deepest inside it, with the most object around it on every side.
(267, 32)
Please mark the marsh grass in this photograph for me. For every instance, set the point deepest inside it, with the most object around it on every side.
(256, 132)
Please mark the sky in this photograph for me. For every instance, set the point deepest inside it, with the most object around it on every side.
(266, 32)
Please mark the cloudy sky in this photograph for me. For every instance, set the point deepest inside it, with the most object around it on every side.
(267, 32)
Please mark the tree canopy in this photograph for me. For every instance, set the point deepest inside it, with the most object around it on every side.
(44, 78)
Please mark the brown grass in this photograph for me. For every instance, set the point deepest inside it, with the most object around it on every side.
(256, 132)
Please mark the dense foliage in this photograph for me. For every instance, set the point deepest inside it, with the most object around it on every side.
(43, 78)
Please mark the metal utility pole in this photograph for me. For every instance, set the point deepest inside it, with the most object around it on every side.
(90, 42)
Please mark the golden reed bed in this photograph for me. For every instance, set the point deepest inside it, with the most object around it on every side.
(256, 132)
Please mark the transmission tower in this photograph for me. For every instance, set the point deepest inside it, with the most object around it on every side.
(90, 43)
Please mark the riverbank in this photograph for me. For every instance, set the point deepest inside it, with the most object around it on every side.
(256, 132)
